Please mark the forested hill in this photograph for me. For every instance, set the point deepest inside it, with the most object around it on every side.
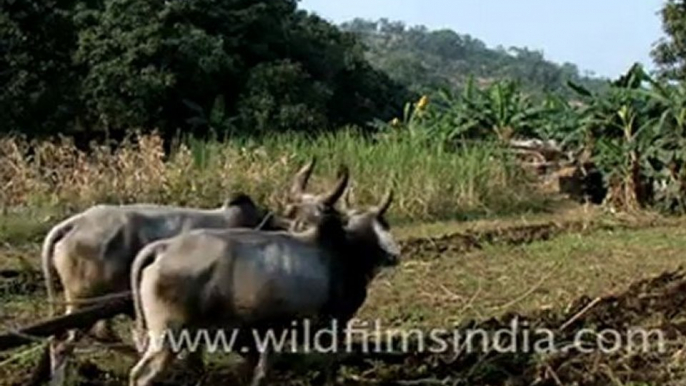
(425, 60)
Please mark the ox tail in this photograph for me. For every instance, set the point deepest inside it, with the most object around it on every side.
(144, 258)
(56, 234)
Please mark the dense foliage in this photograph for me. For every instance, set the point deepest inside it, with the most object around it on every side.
(670, 52)
(426, 60)
(634, 131)
(90, 66)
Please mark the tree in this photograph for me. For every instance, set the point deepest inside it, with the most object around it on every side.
(281, 96)
(37, 79)
(145, 65)
(670, 52)
(249, 66)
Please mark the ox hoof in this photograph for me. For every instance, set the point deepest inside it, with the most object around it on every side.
(58, 374)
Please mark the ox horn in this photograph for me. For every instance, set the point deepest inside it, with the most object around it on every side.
(346, 204)
(385, 203)
(301, 179)
(336, 193)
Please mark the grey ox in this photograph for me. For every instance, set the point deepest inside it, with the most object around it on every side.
(92, 252)
(225, 279)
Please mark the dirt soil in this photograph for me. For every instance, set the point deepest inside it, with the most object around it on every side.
(654, 304)
(658, 303)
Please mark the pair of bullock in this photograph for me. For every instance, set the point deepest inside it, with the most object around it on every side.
(191, 268)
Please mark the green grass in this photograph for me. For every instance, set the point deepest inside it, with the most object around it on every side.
(26, 226)
(430, 183)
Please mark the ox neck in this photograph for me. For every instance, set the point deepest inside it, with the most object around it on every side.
(354, 261)
(351, 273)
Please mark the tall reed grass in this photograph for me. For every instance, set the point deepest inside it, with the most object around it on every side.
(429, 182)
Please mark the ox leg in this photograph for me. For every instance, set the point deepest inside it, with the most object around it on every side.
(262, 368)
(60, 351)
(193, 361)
(62, 348)
(247, 367)
(104, 332)
(151, 365)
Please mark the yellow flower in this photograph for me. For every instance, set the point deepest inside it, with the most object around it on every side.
(395, 122)
(423, 101)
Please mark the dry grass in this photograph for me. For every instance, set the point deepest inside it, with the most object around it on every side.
(58, 174)
(56, 177)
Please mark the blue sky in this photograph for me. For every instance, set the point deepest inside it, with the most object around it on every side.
(604, 36)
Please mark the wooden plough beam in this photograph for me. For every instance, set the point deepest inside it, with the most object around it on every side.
(54, 326)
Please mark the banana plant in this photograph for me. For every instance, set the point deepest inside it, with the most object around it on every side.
(499, 111)
(558, 120)
(668, 153)
(617, 129)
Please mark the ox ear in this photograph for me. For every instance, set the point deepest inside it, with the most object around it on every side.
(236, 199)
(385, 203)
(329, 199)
(290, 211)
(301, 178)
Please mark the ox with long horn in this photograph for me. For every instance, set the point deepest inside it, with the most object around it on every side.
(218, 279)
(92, 252)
